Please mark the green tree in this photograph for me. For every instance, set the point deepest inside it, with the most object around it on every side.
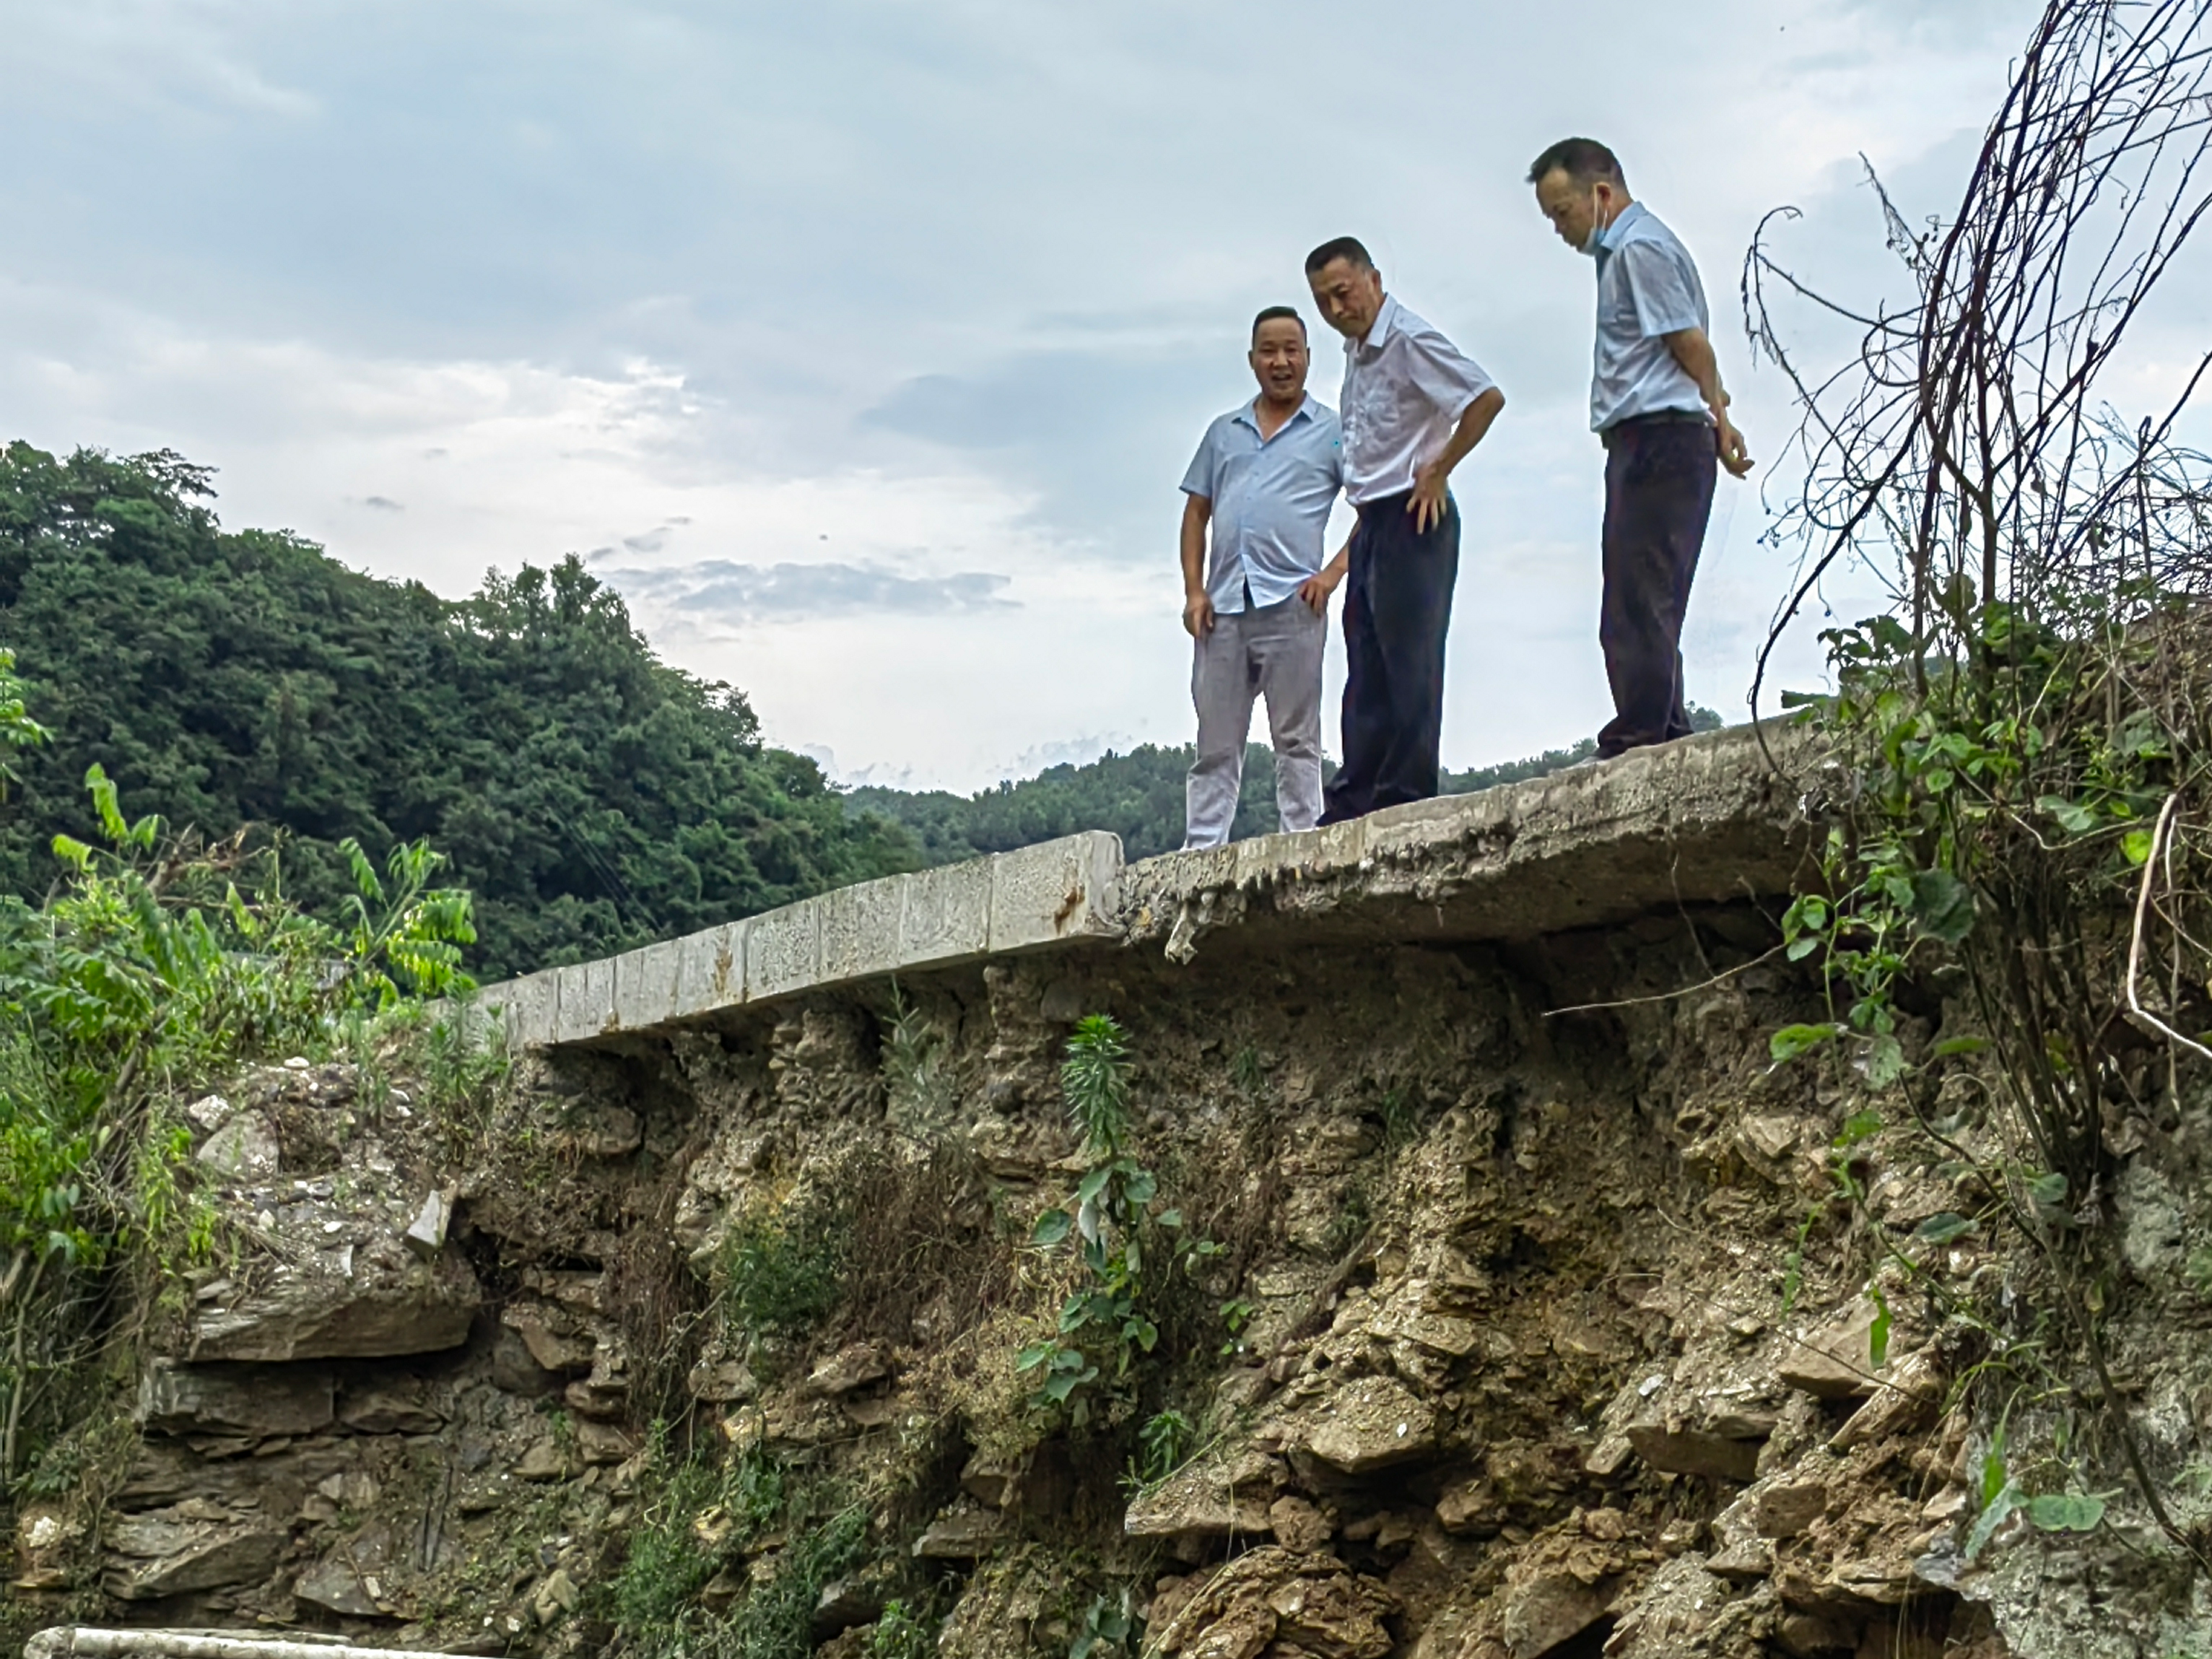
(590, 796)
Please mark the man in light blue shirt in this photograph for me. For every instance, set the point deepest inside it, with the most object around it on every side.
(1263, 481)
(1657, 404)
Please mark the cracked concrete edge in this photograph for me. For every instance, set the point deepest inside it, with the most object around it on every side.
(1707, 819)
(1057, 894)
(1703, 820)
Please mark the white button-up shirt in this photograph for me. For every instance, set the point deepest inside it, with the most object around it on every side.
(1405, 388)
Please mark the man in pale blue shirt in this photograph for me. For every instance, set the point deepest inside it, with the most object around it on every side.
(1657, 404)
(1263, 480)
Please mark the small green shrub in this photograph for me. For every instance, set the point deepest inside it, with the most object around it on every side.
(779, 1271)
(1106, 1325)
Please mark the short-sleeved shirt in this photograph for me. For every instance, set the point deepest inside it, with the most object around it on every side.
(1271, 501)
(1405, 388)
(1647, 289)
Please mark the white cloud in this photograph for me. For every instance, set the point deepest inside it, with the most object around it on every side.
(869, 292)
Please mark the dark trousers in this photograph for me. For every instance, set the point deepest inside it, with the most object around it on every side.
(1659, 477)
(1397, 604)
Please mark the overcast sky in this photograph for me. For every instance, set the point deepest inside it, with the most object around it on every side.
(862, 344)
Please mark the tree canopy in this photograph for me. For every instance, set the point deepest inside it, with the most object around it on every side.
(591, 797)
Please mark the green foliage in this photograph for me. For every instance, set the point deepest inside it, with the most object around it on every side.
(17, 729)
(1106, 1325)
(902, 1633)
(1094, 1080)
(589, 796)
(1138, 796)
(1111, 1630)
(780, 1271)
(915, 1067)
(1165, 1442)
(2023, 829)
(698, 1516)
(158, 962)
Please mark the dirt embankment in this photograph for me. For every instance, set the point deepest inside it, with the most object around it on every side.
(1516, 1332)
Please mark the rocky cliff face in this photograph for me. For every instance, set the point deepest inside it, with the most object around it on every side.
(1543, 1316)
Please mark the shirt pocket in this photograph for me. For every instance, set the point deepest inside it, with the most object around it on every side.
(1616, 310)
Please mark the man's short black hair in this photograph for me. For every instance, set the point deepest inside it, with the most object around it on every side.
(1585, 161)
(1276, 314)
(1342, 247)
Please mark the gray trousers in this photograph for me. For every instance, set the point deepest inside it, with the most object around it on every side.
(1274, 653)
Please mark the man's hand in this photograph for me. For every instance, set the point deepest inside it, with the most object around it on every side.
(1197, 614)
(1316, 589)
(1733, 455)
(1427, 502)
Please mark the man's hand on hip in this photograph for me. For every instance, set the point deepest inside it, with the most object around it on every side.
(1429, 499)
(1197, 614)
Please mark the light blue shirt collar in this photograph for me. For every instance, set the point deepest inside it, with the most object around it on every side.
(1250, 416)
(1615, 234)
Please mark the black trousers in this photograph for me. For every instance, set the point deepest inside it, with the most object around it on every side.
(1397, 604)
(1659, 479)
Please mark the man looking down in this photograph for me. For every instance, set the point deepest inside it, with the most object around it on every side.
(1264, 479)
(1414, 408)
(1658, 404)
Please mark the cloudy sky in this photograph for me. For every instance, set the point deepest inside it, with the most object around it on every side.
(861, 343)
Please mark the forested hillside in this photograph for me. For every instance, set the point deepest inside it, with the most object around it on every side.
(591, 797)
(1138, 796)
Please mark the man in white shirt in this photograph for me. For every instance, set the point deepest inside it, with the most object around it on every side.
(1658, 404)
(1263, 481)
(1414, 406)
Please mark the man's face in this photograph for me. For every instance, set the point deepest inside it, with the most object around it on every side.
(1576, 209)
(1280, 358)
(1349, 296)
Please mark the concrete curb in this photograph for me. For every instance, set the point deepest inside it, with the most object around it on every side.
(1054, 894)
(1706, 820)
(82, 1644)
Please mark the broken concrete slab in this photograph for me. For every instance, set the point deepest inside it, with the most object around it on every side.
(1703, 820)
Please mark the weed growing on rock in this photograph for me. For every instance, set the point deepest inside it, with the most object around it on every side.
(1106, 1325)
(779, 1272)
(698, 1518)
(920, 1081)
(902, 1633)
(1111, 1630)
(2022, 802)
